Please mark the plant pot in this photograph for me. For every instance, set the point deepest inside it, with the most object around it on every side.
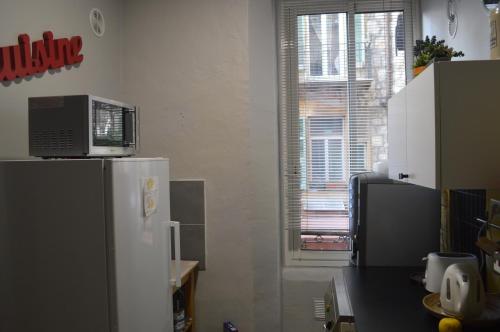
(418, 70)
(433, 60)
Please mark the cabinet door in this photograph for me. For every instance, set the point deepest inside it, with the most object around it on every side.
(397, 135)
(470, 122)
(421, 130)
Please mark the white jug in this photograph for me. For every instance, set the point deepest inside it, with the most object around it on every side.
(438, 262)
(462, 291)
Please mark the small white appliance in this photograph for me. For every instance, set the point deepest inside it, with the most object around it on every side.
(462, 291)
(438, 262)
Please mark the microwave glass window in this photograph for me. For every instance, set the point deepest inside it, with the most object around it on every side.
(108, 124)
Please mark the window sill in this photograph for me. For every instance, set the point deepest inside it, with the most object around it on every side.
(317, 259)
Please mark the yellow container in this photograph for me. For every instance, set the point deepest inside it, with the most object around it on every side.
(495, 34)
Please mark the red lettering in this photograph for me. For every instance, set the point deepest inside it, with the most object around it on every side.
(54, 61)
(15, 56)
(6, 71)
(40, 56)
(76, 47)
(26, 59)
(26, 68)
(58, 59)
(64, 50)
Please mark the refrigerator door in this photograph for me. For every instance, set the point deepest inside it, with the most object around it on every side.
(138, 205)
(53, 269)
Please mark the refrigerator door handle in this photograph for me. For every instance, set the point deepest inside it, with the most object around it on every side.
(177, 247)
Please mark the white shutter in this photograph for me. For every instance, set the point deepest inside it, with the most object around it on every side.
(340, 62)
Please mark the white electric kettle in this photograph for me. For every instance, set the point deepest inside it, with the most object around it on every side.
(438, 262)
(462, 291)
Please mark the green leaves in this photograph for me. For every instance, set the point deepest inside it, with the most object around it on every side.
(422, 60)
(430, 48)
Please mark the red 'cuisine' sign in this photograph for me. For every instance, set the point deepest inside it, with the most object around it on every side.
(27, 58)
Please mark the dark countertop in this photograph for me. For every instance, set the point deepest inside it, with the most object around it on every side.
(384, 299)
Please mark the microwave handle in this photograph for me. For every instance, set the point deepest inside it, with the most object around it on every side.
(137, 129)
(177, 247)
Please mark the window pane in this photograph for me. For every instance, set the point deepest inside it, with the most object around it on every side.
(315, 45)
(318, 164)
(323, 107)
(335, 160)
(333, 46)
(378, 77)
(360, 41)
(380, 49)
(358, 158)
(303, 151)
(326, 126)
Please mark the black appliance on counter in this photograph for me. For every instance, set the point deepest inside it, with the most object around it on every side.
(392, 223)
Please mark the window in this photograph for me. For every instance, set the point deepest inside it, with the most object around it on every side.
(326, 139)
(340, 62)
(322, 44)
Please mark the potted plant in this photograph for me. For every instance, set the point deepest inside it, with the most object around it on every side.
(431, 50)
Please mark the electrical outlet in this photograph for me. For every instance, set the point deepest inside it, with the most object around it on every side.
(319, 309)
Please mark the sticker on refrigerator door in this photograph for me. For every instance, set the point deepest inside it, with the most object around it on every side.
(150, 203)
(147, 231)
(150, 199)
(151, 195)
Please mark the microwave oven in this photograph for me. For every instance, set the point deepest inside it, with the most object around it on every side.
(81, 126)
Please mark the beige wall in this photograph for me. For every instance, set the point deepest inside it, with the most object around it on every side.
(264, 216)
(473, 34)
(98, 74)
(204, 76)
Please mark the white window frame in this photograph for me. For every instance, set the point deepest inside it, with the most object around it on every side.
(293, 255)
(342, 137)
(326, 148)
(342, 76)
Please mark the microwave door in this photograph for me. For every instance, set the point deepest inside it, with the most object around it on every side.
(113, 130)
(110, 130)
(129, 125)
(108, 125)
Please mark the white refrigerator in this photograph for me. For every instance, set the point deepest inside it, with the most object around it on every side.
(85, 246)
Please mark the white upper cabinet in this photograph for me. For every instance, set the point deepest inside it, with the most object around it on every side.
(421, 133)
(397, 135)
(444, 127)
